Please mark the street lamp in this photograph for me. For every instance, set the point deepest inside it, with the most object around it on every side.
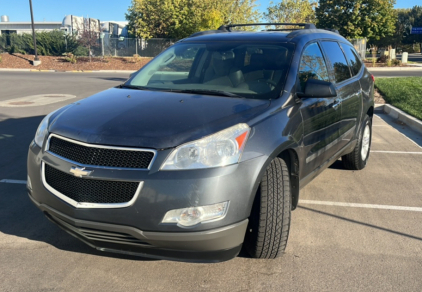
(36, 60)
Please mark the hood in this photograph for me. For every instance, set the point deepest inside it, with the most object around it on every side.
(151, 119)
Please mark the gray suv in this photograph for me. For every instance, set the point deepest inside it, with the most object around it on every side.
(203, 151)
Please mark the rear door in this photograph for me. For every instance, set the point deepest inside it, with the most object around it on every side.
(351, 107)
(348, 91)
(321, 116)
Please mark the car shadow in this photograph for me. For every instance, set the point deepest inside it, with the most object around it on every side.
(360, 223)
(338, 165)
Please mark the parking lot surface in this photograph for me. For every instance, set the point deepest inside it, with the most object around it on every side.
(352, 231)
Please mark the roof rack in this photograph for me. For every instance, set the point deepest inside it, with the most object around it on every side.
(304, 25)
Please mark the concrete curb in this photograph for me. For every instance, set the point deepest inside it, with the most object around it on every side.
(400, 115)
(72, 71)
(380, 69)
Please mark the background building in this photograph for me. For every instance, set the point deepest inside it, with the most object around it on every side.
(7, 27)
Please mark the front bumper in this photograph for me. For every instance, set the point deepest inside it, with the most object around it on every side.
(205, 246)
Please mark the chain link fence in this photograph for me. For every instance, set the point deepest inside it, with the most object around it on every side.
(360, 46)
(127, 47)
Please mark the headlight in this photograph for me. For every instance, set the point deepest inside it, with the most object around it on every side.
(191, 216)
(220, 149)
(42, 130)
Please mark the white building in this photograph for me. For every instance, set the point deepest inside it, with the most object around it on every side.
(7, 27)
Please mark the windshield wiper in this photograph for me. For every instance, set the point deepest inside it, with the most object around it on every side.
(206, 91)
(132, 87)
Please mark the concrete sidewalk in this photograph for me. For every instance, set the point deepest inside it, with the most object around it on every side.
(73, 71)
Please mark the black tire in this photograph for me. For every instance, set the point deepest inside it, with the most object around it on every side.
(269, 225)
(354, 160)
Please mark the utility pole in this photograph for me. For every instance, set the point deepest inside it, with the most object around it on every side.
(36, 61)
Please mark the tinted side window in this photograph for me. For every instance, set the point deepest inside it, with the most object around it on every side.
(312, 65)
(353, 58)
(337, 60)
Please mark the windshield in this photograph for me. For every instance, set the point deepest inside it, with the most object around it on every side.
(256, 70)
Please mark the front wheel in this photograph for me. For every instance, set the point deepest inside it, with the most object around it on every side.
(358, 158)
(269, 223)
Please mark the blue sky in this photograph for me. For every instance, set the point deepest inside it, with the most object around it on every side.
(54, 10)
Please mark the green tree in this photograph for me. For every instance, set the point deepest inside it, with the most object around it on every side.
(180, 18)
(291, 11)
(414, 20)
(358, 18)
(401, 29)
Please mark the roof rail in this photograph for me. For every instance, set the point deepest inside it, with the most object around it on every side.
(304, 25)
(332, 29)
(205, 32)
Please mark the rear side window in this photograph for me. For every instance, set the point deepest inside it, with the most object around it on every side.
(312, 65)
(338, 61)
(353, 58)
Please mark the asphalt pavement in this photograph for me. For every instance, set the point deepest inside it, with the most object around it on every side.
(352, 231)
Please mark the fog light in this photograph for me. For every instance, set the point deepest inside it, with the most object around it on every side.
(191, 216)
(28, 183)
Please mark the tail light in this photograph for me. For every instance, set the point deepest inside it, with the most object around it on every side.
(373, 78)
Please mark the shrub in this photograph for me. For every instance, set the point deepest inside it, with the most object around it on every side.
(69, 57)
(382, 59)
(51, 43)
(81, 51)
(135, 59)
(1, 59)
(396, 62)
(12, 49)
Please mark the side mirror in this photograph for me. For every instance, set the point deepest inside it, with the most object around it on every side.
(318, 88)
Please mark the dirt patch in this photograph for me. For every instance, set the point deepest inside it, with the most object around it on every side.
(19, 61)
(370, 64)
(378, 97)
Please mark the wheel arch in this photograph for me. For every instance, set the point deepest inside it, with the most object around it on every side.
(370, 112)
(292, 160)
(290, 156)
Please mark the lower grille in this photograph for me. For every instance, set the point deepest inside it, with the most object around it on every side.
(97, 235)
(84, 190)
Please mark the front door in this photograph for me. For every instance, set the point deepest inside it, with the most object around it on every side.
(348, 89)
(321, 116)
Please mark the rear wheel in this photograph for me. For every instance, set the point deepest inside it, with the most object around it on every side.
(269, 225)
(358, 159)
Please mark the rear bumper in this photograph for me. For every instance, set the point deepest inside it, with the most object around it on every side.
(214, 245)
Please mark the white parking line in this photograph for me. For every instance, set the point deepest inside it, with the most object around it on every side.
(356, 205)
(13, 181)
(395, 152)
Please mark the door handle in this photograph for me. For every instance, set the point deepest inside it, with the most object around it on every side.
(336, 104)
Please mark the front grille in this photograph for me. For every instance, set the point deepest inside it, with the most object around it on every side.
(84, 190)
(97, 156)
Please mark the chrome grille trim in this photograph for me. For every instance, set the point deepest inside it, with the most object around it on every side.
(82, 205)
(47, 147)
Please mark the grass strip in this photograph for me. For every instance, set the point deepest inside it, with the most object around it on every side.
(404, 93)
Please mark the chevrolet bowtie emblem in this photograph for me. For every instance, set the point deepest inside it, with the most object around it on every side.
(78, 171)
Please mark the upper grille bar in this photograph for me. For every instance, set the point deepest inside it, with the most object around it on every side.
(98, 155)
